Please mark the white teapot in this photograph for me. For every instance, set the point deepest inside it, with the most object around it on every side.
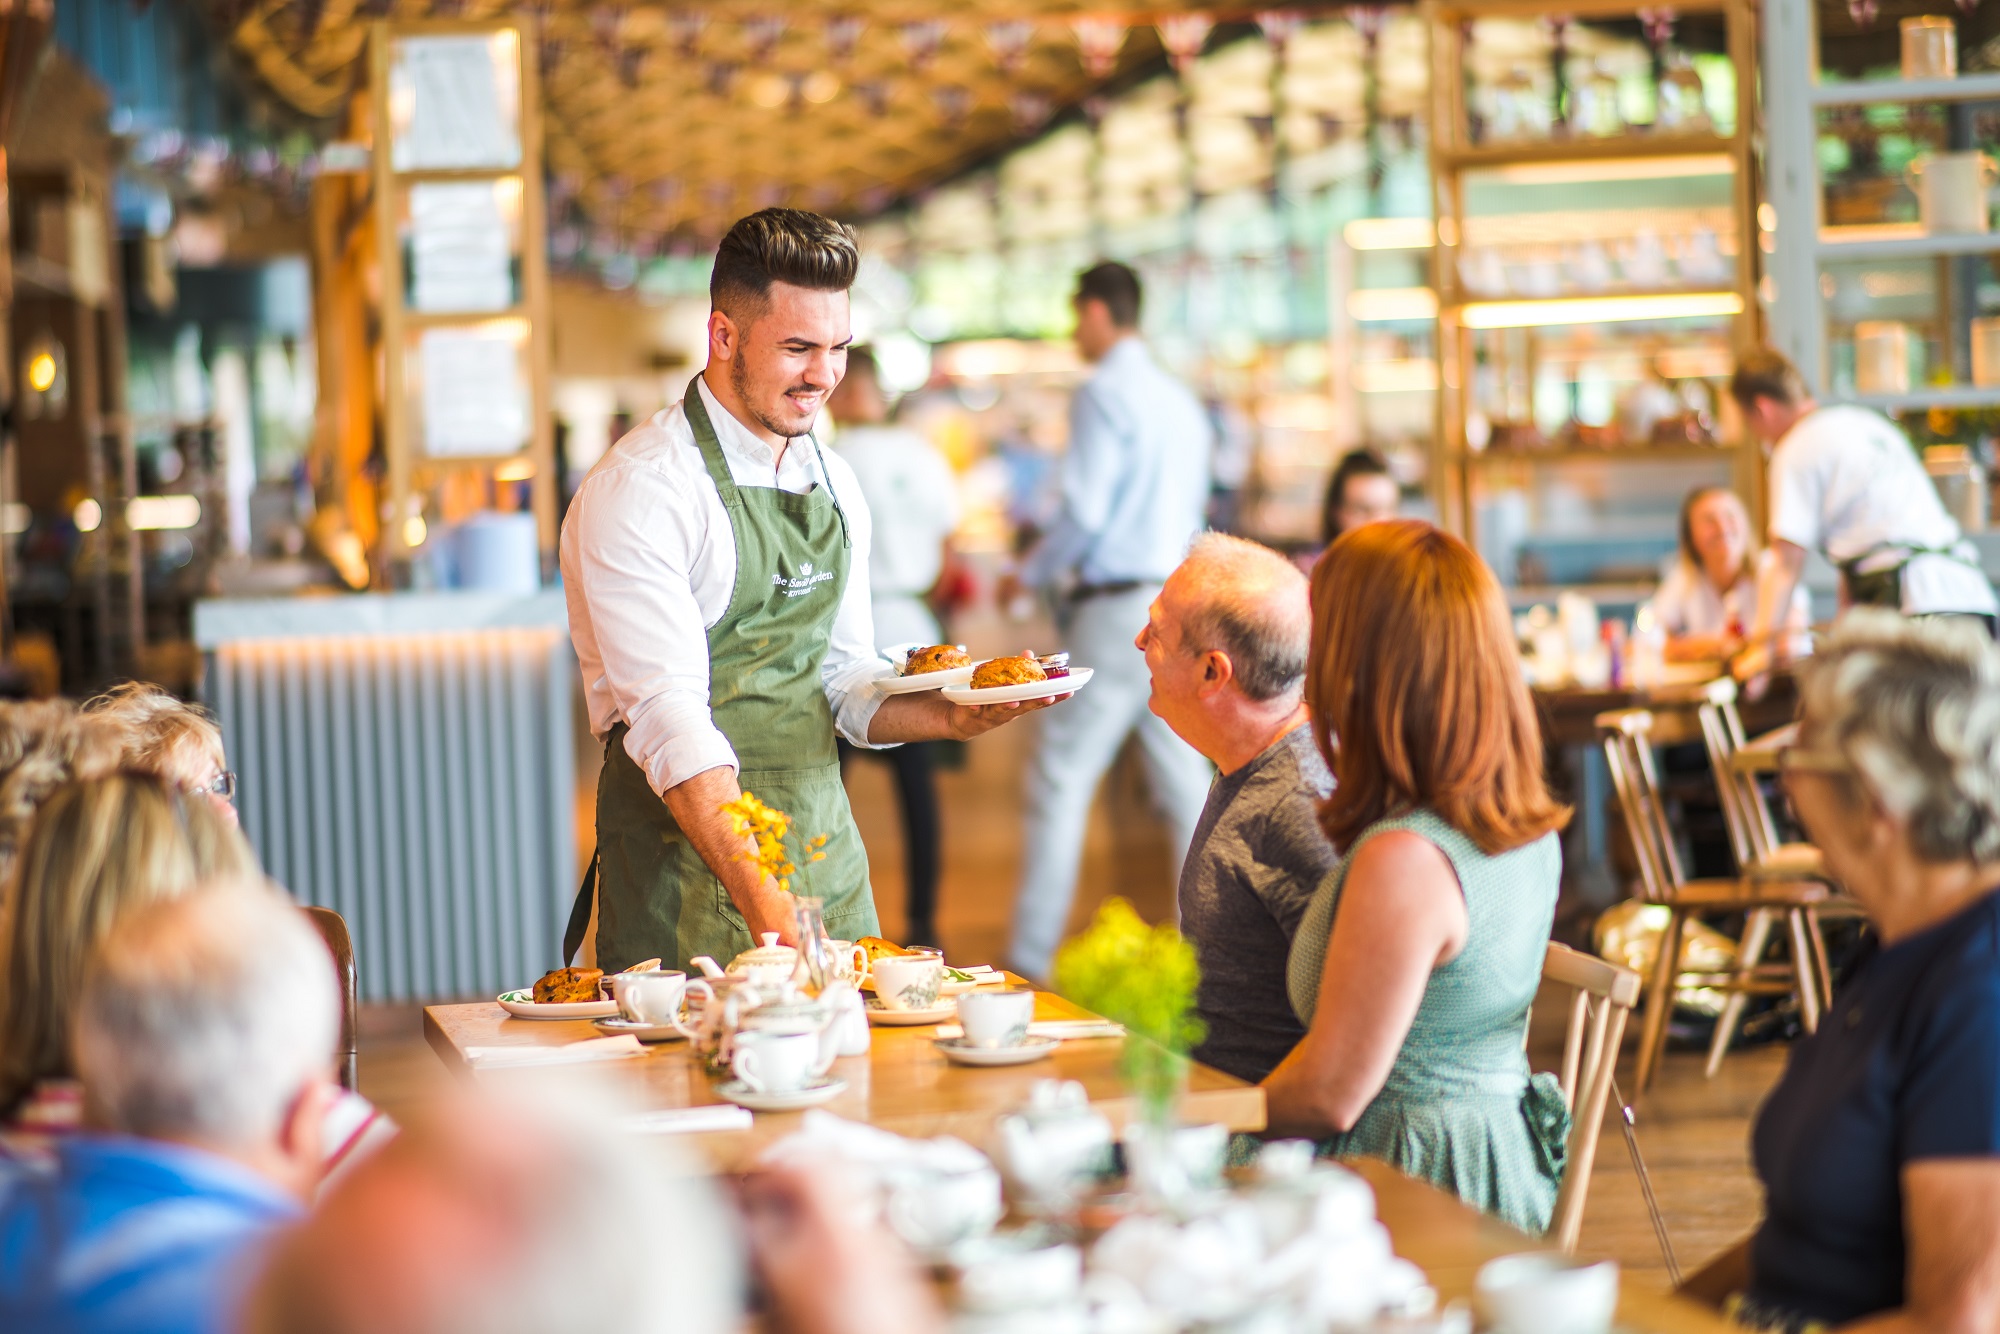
(1050, 1148)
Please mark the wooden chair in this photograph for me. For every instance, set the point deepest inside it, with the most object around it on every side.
(1605, 995)
(1628, 752)
(1753, 838)
(333, 928)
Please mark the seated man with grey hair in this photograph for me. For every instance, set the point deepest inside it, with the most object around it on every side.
(204, 1040)
(1226, 644)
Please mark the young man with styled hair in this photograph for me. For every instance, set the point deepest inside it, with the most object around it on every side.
(715, 562)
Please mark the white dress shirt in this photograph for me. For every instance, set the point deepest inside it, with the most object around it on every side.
(914, 494)
(649, 565)
(1686, 603)
(1844, 480)
(1135, 480)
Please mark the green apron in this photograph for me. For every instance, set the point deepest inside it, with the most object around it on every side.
(1884, 587)
(655, 894)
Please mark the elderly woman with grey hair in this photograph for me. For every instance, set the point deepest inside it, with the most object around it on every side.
(1879, 1150)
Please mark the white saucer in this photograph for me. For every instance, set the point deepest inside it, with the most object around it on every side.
(522, 1005)
(824, 1089)
(1078, 678)
(936, 1014)
(958, 1052)
(910, 685)
(644, 1032)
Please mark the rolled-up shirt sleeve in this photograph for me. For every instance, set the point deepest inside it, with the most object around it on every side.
(632, 564)
(853, 666)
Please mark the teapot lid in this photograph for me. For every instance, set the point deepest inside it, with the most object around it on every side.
(770, 952)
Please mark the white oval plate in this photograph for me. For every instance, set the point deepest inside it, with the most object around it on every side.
(910, 685)
(643, 1032)
(1078, 678)
(521, 1006)
(958, 1052)
(887, 1018)
(824, 1089)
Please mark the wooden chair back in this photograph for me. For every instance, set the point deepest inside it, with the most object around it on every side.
(1628, 753)
(1753, 834)
(332, 927)
(1605, 996)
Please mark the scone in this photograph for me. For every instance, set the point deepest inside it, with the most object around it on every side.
(936, 658)
(879, 948)
(567, 986)
(1008, 672)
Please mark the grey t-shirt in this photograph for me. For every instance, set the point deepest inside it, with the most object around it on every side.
(1257, 856)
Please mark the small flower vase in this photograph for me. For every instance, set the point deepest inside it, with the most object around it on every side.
(1167, 1164)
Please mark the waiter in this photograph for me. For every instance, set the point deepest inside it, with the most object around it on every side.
(1845, 481)
(715, 563)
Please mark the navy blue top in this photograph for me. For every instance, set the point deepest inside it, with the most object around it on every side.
(127, 1235)
(1905, 1067)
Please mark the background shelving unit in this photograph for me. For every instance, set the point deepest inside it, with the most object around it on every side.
(1486, 336)
(1804, 323)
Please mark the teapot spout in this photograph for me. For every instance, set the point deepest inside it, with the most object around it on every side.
(709, 967)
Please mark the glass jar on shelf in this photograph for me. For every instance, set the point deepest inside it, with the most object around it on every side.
(1683, 105)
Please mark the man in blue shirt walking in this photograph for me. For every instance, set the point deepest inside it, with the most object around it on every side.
(204, 1040)
(1134, 491)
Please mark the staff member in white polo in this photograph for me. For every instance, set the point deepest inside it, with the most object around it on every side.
(715, 563)
(1845, 481)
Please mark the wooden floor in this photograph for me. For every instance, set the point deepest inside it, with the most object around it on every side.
(1694, 1133)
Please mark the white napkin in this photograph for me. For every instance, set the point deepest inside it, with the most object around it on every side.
(1061, 1029)
(590, 1049)
(687, 1120)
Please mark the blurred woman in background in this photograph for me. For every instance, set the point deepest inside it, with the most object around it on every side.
(1709, 598)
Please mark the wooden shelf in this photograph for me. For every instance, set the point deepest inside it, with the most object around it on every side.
(1927, 396)
(1965, 88)
(1901, 241)
(1624, 147)
(1581, 9)
(1600, 294)
(1615, 454)
(448, 319)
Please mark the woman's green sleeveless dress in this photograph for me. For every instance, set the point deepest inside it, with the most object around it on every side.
(1459, 1108)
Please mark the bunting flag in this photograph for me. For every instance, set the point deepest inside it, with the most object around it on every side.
(1008, 40)
(1184, 35)
(1098, 41)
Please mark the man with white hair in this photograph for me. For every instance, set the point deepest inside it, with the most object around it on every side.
(204, 1040)
(1226, 643)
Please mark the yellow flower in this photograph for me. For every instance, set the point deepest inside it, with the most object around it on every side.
(767, 828)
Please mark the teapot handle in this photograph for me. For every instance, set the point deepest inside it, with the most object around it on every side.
(685, 1029)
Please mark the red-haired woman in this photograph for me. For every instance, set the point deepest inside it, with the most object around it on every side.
(1415, 964)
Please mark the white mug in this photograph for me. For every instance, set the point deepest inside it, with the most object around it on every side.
(772, 1062)
(996, 1018)
(850, 961)
(656, 997)
(909, 981)
(1951, 191)
(1544, 1293)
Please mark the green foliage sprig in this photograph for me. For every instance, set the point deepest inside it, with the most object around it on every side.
(1144, 977)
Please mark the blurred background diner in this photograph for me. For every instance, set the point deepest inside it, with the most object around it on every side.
(1681, 326)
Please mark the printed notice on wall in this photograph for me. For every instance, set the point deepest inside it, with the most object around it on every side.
(456, 102)
(475, 394)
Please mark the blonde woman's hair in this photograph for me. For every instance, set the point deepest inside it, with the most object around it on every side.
(99, 848)
(1692, 558)
(1914, 707)
(44, 744)
(170, 737)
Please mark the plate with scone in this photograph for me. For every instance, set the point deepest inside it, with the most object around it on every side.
(927, 667)
(1017, 679)
(567, 993)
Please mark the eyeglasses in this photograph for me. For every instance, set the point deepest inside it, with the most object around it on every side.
(1811, 760)
(222, 785)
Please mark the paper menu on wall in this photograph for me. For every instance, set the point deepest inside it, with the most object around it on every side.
(461, 251)
(475, 392)
(455, 102)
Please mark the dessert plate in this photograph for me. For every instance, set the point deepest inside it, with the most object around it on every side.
(909, 685)
(824, 1089)
(1078, 678)
(960, 1052)
(523, 1005)
(644, 1032)
(887, 1018)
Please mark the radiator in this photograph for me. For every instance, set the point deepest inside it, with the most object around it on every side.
(422, 785)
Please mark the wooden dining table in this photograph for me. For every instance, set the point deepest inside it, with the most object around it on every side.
(903, 1084)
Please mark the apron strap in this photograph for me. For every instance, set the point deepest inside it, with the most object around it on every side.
(711, 448)
(579, 912)
(826, 480)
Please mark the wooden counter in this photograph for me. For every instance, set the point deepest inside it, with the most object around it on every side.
(904, 1084)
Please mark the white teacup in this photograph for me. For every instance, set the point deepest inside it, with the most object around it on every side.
(774, 1062)
(996, 1018)
(909, 981)
(1546, 1293)
(656, 997)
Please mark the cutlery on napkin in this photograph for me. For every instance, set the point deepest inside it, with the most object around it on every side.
(590, 1049)
(1060, 1029)
(686, 1120)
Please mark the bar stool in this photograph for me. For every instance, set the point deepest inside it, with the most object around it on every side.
(1628, 752)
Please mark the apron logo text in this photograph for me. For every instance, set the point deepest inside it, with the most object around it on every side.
(804, 582)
